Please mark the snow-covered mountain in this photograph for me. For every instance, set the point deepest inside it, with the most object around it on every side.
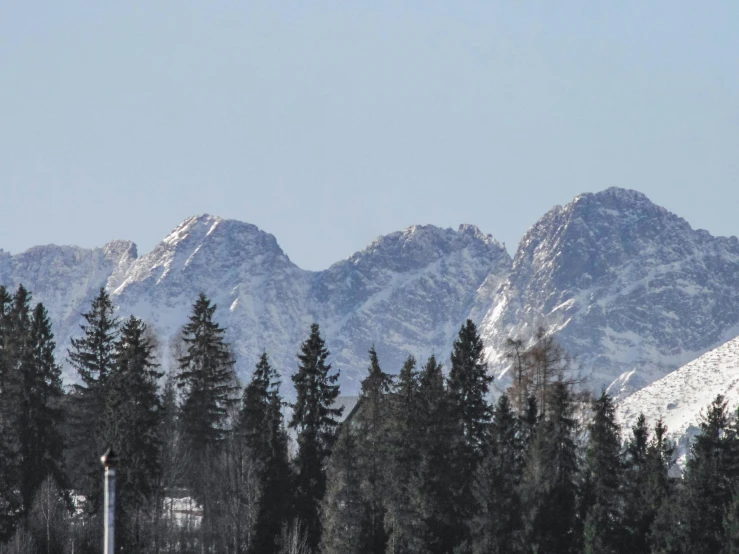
(680, 397)
(408, 292)
(628, 287)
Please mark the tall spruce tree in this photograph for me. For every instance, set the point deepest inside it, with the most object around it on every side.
(437, 442)
(133, 415)
(604, 505)
(14, 326)
(92, 355)
(371, 420)
(694, 518)
(470, 410)
(404, 517)
(261, 426)
(315, 421)
(496, 527)
(41, 416)
(208, 382)
(346, 517)
(646, 482)
(549, 488)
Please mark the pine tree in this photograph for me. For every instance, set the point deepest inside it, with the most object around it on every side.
(12, 332)
(404, 519)
(315, 421)
(133, 414)
(371, 421)
(470, 410)
(346, 517)
(261, 425)
(41, 416)
(437, 442)
(693, 520)
(549, 488)
(208, 381)
(646, 482)
(604, 531)
(93, 357)
(496, 527)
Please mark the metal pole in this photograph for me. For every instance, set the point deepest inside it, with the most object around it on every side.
(110, 461)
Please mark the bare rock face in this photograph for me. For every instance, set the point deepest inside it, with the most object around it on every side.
(628, 287)
(65, 278)
(407, 293)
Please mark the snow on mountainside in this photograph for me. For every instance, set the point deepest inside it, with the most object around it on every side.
(408, 292)
(680, 397)
(628, 287)
(66, 278)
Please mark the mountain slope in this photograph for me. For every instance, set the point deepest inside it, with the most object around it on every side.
(680, 397)
(408, 292)
(628, 287)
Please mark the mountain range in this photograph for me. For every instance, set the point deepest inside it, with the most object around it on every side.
(630, 289)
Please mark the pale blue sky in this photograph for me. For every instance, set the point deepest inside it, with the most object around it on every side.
(329, 123)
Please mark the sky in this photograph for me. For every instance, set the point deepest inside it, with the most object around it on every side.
(328, 124)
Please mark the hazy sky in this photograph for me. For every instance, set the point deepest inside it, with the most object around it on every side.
(330, 123)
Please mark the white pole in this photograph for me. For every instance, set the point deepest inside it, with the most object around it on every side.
(109, 462)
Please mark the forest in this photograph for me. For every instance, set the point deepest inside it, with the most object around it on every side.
(431, 459)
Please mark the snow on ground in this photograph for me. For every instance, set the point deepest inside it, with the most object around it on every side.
(681, 396)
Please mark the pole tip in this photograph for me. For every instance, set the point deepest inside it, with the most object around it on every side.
(109, 459)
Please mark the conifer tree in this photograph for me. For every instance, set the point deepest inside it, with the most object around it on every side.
(437, 442)
(315, 421)
(132, 423)
(470, 410)
(694, 519)
(346, 517)
(92, 356)
(404, 518)
(604, 531)
(371, 421)
(11, 333)
(549, 488)
(646, 482)
(261, 425)
(496, 527)
(208, 381)
(40, 417)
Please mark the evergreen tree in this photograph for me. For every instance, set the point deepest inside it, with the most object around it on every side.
(403, 518)
(93, 357)
(261, 425)
(371, 420)
(603, 467)
(132, 424)
(437, 442)
(346, 516)
(549, 488)
(468, 388)
(646, 482)
(40, 417)
(12, 330)
(208, 381)
(496, 527)
(694, 519)
(315, 420)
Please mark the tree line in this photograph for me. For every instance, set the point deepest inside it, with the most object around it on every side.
(425, 461)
